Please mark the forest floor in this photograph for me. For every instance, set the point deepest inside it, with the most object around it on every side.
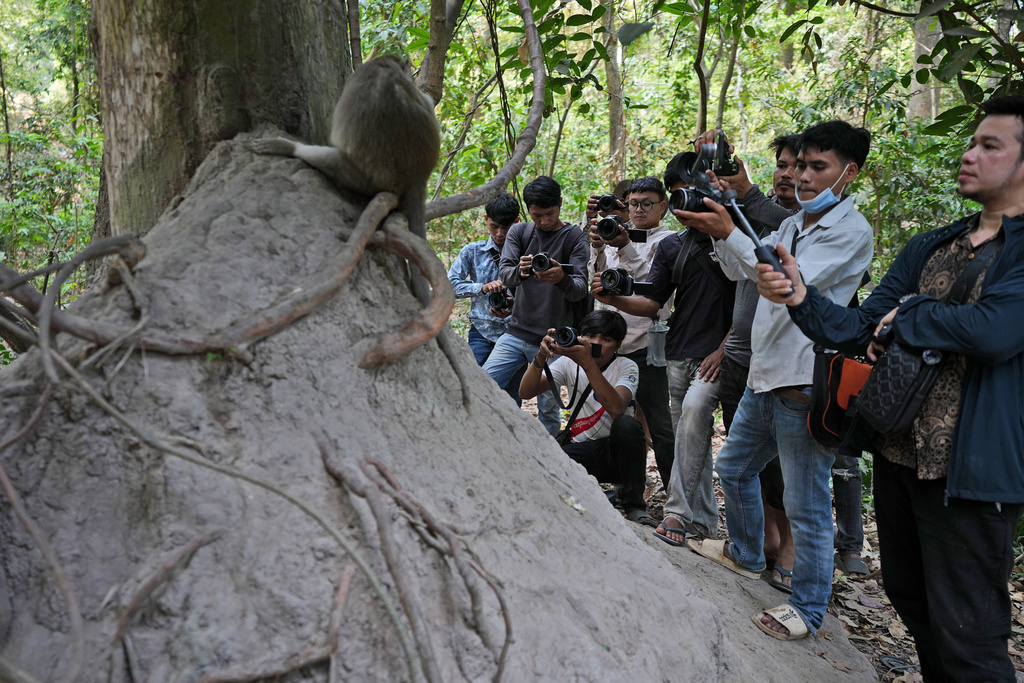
(871, 623)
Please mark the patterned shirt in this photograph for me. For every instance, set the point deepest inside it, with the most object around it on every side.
(474, 267)
(926, 449)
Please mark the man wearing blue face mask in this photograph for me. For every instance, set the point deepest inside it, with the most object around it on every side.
(833, 246)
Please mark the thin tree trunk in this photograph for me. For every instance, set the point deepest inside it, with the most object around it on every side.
(698, 66)
(616, 117)
(727, 81)
(7, 131)
(444, 18)
(923, 98)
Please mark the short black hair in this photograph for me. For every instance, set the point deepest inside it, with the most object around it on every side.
(503, 209)
(848, 143)
(604, 322)
(672, 175)
(1008, 105)
(542, 192)
(648, 184)
(784, 142)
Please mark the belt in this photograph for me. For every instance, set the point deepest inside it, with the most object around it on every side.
(793, 394)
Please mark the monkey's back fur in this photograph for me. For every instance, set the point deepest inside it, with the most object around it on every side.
(382, 115)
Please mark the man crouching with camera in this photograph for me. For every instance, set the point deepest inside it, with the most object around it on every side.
(602, 435)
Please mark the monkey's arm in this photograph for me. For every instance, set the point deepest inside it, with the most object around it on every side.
(332, 162)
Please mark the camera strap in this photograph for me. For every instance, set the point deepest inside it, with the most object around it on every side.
(557, 393)
(689, 248)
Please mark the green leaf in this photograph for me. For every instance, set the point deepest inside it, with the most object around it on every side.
(628, 33)
(419, 32)
(932, 8)
(585, 4)
(965, 31)
(512, 29)
(907, 79)
(581, 35)
(601, 50)
(584, 108)
(749, 30)
(792, 29)
(598, 12)
(578, 20)
(957, 61)
(678, 9)
(548, 24)
(922, 76)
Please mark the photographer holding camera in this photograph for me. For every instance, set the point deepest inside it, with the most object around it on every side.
(684, 272)
(474, 273)
(545, 260)
(604, 437)
(619, 255)
(834, 245)
(949, 494)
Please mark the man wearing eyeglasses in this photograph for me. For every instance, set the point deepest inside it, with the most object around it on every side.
(684, 272)
(646, 204)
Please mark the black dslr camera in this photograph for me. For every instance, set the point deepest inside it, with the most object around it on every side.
(608, 229)
(501, 300)
(542, 262)
(609, 202)
(567, 336)
(719, 160)
(618, 282)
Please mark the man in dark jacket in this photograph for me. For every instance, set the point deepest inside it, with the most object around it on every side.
(948, 495)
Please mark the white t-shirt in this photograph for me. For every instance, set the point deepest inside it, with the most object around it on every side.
(593, 422)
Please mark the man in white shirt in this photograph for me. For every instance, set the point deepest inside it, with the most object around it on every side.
(604, 436)
(833, 245)
(646, 202)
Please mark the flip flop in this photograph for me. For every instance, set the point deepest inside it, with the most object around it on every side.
(781, 583)
(640, 516)
(687, 534)
(714, 550)
(852, 565)
(788, 617)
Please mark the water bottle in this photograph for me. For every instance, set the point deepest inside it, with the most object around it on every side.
(657, 333)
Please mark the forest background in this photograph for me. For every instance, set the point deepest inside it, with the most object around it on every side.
(629, 85)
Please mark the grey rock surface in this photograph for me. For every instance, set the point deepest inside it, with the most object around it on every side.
(590, 596)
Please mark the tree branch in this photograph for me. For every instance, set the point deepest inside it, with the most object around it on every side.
(525, 144)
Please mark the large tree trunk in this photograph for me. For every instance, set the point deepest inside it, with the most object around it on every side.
(205, 512)
(178, 77)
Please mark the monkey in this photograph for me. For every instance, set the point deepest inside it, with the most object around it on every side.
(384, 138)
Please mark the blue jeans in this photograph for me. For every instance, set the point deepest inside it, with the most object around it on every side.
(510, 355)
(691, 493)
(767, 425)
(480, 345)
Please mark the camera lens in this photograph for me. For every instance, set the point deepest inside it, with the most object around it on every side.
(685, 200)
(541, 262)
(607, 202)
(612, 280)
(608, 228)
(565, 336)
(499, 300)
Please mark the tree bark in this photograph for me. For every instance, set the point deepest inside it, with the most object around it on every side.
(177, 78)
(616, 170)
(924, 98)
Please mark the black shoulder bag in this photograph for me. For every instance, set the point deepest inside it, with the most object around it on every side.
(902, 378)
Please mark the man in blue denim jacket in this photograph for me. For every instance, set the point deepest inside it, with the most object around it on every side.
(474, 273)
(948, 495)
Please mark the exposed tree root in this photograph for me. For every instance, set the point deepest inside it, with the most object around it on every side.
(160, 444)
(160, 579)
(427, 324)
(448, 541)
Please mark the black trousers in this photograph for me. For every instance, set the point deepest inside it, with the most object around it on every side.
(652, 397)
(620, 458)
(945, 566)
